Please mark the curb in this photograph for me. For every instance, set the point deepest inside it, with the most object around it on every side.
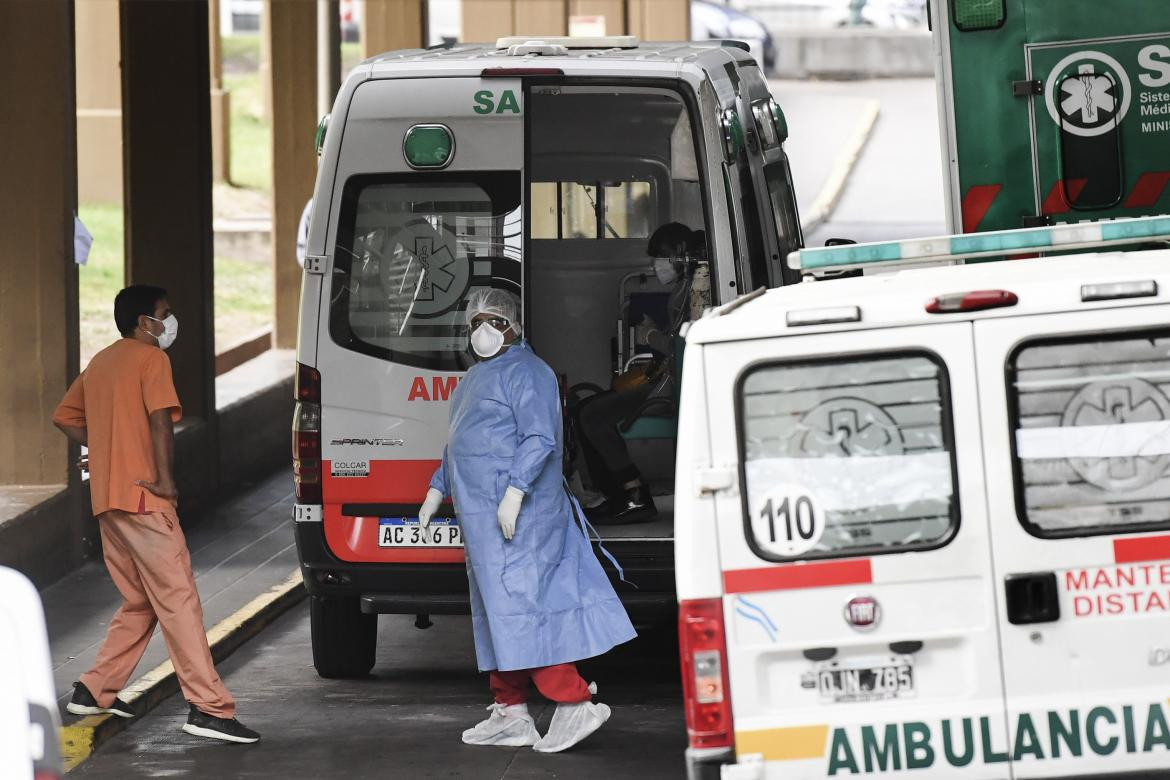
(826, 201)
(79, 740)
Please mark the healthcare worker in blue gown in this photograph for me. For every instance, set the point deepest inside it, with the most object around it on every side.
(539, 598)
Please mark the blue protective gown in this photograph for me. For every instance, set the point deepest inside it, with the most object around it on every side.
(541, 598)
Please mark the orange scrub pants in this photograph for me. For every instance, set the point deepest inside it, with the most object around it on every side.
(559, 683)
(148, 560)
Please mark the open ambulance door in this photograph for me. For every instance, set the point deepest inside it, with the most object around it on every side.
(427, 207)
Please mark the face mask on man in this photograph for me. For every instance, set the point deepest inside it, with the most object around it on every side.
(486, 341)
(665, 269)
(170, 331)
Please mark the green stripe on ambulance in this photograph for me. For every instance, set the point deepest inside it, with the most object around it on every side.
(960, 742)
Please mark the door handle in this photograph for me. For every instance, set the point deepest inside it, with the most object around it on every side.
(1032, 598)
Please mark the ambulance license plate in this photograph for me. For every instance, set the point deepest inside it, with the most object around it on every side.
(406, 532)
(889, 678)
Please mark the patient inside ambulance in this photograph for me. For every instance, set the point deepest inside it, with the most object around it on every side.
(617, 264)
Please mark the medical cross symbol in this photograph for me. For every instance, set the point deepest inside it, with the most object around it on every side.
(1112, 403)
(1119, 407)
(1087, 94)
(849, 427)
(436, 267)
(854, 438)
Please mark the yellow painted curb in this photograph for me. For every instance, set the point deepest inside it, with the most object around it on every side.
(826, 201)
(79, 740)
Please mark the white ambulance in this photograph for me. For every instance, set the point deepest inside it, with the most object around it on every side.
(30, 724)
(923, 517)
(537, 166)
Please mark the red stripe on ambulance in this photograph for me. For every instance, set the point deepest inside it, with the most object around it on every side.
(976, 204)
(1148, 189)
(355, 539)
(856, 571)
(1141, 548)
(1062, 194)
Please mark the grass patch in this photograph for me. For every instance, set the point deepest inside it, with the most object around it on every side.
(251, 139)
(351, 57)
(240, 52)
(243, 300)
(99, 280)
(243, 289)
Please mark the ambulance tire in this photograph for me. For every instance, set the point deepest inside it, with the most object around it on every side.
(344, 637)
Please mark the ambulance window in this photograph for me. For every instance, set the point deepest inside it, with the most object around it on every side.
(1091, 176)
(544, 209)
(1091, 420)
(620, 209)
(410, 249)
(847, 456)
(578, 210)
(627, 209)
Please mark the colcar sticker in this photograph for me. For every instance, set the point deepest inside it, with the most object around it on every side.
(350, 468)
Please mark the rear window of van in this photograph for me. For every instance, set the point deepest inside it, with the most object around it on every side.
(847, 456)
(410, 249)
(1091, 419)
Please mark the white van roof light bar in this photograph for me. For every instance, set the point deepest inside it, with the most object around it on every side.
(570, 42)
(1076, 235)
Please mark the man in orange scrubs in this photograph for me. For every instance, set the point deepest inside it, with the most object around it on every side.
(123, 407)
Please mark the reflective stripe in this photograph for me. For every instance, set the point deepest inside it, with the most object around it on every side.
(990, 244)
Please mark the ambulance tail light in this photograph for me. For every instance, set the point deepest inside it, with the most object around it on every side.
(703, 652)
(306, 436)
(975, 300)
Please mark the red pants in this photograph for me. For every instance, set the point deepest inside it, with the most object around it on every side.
(560, 683)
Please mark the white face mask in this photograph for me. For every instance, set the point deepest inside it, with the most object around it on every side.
(170, 331)
(486, 341)
(665, 270)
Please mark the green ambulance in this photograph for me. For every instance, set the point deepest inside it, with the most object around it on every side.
(1052, 111)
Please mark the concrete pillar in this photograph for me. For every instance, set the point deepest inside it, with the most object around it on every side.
(660, 20)
(99, 102)
(166, 118)
(614, 12)
(293, 108)
(38, 197)
(540, 17)
(484, 21)
(265, 67)
(328, 54)
(395, 24)
(221, 115)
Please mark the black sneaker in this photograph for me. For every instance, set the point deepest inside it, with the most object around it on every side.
(83, 703)
(634, 506)
(203, 725)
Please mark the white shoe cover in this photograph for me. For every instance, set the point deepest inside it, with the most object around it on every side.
(507, 726)
(571, 723)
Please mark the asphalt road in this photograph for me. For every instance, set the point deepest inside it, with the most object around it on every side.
(405, 720)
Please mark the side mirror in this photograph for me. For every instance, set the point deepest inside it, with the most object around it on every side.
(839, 241)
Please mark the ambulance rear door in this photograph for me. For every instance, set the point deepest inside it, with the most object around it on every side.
(1076, 415)
(427, 207)
(858, 600)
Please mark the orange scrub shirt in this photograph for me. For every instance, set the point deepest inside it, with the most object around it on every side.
(113, 399)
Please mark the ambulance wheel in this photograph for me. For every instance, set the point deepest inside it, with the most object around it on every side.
(344, 637)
